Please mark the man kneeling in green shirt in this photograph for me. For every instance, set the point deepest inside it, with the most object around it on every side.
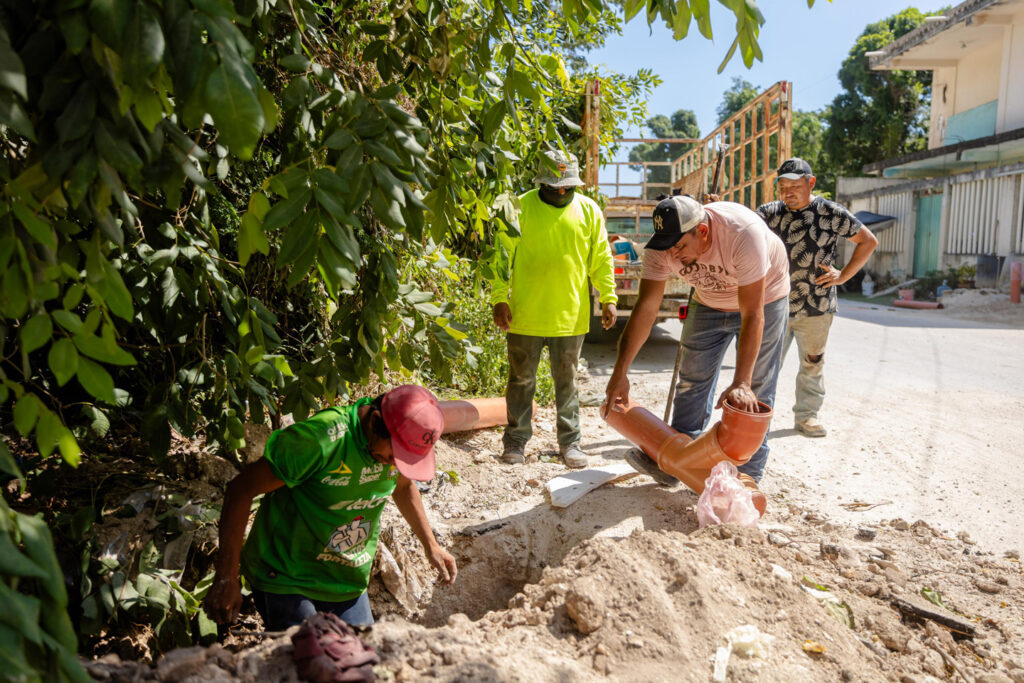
(315, 535)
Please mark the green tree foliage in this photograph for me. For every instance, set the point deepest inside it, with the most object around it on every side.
(547, 26)
(37, 638)
(808, 130)
(679, 15)
(739, 94)
(808, 133)
(215, 210)
(683, 124)
(880, 114)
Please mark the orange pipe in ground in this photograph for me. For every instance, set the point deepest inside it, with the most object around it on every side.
(736, 438)
(475, 413)
(901, 303)
(1016, 275)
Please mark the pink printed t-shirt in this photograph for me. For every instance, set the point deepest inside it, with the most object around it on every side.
(743, 250)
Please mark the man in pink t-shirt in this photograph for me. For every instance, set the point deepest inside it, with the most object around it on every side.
(740, 273)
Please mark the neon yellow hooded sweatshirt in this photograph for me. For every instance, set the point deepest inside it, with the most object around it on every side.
(557, 251)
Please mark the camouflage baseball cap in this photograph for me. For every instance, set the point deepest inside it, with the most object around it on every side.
(794, 169)
(558, 169)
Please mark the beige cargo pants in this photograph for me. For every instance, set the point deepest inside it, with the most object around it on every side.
(811, 334)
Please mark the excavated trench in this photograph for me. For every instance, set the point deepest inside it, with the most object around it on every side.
(500, 556)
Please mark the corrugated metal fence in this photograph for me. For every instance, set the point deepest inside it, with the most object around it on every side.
(982, 215)
(974, 212)
(1018, 245)
(971, 215)
(900, 205)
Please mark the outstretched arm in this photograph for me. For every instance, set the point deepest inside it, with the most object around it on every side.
(407, 498)
(225, 597)
(638, 328)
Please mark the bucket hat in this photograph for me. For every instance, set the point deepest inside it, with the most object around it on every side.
(558, 169)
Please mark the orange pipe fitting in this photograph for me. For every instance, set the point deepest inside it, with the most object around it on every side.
(736, 437)
(741, 433)
(902, 303)
(640, 426)
(758, 498)
(681, 453)
(475, 413)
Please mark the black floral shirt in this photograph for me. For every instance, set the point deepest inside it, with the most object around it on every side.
(810, 236)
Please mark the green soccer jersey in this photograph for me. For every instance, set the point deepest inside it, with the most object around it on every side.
(317, 536)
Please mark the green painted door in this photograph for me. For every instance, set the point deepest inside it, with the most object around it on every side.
(926, 234)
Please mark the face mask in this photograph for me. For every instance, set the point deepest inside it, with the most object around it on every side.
(549, 195)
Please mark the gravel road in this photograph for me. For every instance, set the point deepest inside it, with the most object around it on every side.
(925, 414)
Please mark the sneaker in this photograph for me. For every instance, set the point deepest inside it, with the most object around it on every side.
(514, 454)
(811, 427)
(643, 464)
(573, 456)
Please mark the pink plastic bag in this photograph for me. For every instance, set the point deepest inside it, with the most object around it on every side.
(725, 499)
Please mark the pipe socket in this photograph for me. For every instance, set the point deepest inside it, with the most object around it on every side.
(740, 433)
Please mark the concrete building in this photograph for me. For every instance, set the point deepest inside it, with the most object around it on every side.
(961, 201)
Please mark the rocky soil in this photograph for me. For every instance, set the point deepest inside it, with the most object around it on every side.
(866, 531)
(623, 585)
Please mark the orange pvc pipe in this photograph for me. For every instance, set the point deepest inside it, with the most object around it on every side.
(903, 303)
(740, 433)
(681, 453)
(475, 413)
(691, 460)
(641, 426)
(737, 437)
(759, 499)
(652, 435)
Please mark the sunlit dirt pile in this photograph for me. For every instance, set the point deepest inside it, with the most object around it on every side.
(622, 585)
(983, 305)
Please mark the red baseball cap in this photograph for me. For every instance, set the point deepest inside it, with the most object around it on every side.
(414, 418)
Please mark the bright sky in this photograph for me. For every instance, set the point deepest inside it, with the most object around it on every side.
(801, 45)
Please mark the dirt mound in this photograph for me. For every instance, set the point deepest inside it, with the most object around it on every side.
(623, 585)
(983, 305)
(657, 605)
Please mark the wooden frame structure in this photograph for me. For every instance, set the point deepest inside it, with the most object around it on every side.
(758, 138)
(591, 132)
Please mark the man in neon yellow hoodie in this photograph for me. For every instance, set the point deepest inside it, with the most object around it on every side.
(546, 301)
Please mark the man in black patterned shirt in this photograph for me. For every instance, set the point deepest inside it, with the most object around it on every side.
(810, 227)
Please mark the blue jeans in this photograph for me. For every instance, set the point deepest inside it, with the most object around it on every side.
(279, 611)
(707, 333)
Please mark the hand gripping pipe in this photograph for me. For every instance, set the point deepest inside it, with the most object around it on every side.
(735, 438)
(475, 413)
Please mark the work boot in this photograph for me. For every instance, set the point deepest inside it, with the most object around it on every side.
(573, 456)
(640, 462)
(514, 454)
(811, 427)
